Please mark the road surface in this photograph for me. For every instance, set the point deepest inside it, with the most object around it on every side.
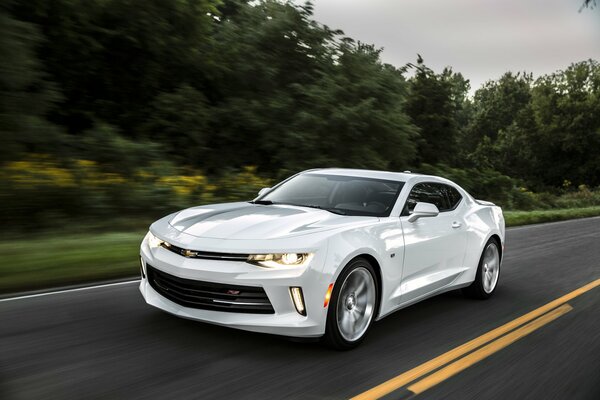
(106, 343)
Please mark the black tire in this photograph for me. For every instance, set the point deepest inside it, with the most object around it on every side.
(476, 289)
(333, 337)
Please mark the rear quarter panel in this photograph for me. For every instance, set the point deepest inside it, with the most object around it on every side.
(483, 222)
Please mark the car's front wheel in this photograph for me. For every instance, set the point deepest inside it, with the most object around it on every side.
(353, 305)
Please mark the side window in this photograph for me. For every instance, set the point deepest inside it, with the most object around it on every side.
(437, 196)
(454, 196)
(419, 193)
(445, 197)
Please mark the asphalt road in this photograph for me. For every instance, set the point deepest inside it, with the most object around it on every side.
(105, 343)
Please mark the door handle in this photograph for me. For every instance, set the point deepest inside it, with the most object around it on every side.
(456, 224)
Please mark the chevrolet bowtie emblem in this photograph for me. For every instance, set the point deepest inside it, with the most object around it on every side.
(188, 253)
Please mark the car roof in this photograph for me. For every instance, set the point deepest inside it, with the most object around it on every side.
(366, 173)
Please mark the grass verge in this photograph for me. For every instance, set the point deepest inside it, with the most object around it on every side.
(51, 260)
(58, 260)
(516, 218)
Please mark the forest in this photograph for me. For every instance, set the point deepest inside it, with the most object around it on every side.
(137, 108)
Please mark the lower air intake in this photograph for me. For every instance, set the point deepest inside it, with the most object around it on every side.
(209, 296)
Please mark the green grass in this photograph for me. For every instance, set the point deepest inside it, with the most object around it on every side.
(63, 259)
(59, 260)
(516, 218)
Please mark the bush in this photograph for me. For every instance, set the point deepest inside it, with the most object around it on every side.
(41, 192)
(510, 193)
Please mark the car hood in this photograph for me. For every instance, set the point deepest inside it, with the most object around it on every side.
(254, 221)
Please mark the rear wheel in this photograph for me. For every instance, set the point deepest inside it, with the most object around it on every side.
(488, 272)
(353, 305)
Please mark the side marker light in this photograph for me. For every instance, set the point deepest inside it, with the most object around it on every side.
(328, 295)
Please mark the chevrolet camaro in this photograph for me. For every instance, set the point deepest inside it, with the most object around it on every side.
(324, 253)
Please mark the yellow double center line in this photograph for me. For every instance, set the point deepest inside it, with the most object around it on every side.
(491, 342)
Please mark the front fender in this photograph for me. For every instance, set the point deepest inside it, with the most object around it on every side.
(383, 242)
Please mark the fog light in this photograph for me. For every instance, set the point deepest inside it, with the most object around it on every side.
(298, 299)
(142, 268)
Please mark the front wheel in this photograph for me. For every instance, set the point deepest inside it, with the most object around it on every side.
(488, 273)
(353, 305)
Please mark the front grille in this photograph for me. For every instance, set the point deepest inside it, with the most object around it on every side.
(208, 295)
(206, 255)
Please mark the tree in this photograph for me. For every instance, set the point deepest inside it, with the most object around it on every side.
(544, 131)
(180, 120)
(566, 107)
(26, 94)
(354, 114)
(497, 103)
(589, 3)
(299, 95)
(111, 58)
(433, 105)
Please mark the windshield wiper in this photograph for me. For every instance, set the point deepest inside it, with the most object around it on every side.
(262, 202)
(331, 210)
(337, 211)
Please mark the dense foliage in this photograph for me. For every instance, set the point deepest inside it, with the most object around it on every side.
(171, 88)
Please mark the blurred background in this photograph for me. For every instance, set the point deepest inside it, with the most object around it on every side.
(114, 113)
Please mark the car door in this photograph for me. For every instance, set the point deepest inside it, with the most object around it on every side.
(434, 246)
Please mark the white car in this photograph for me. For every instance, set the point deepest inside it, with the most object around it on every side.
(323, 253)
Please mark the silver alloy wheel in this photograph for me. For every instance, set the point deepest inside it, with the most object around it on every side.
(491, 267)
(356, 304)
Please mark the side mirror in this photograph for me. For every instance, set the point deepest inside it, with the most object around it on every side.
(263, 191)
(423, 210)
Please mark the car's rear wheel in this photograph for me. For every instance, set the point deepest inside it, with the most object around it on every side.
(488, 272)
(353, 305)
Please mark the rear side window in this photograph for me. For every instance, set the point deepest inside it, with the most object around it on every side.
(445, 197)
(454, 197)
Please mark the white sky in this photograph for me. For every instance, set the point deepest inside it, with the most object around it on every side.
(482, 39)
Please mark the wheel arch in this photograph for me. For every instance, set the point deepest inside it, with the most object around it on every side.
(378, 277)
(495, 237)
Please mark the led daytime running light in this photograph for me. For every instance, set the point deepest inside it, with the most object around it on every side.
(298, 299)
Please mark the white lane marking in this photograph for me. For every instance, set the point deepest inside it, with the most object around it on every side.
(515, 228)
(29, 296)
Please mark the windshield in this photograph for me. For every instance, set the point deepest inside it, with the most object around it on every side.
(346, 195)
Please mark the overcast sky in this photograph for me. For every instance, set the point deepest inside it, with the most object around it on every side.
(482, 39)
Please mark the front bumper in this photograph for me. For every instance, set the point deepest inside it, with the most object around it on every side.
(275, 282)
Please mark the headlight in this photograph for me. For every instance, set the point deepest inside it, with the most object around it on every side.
(153, 241)
(280, 259)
